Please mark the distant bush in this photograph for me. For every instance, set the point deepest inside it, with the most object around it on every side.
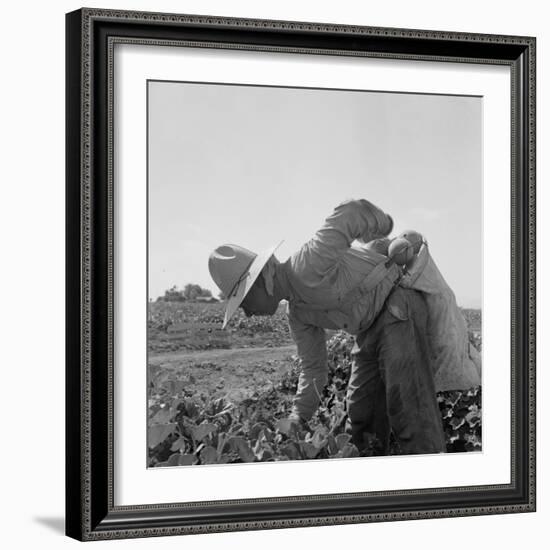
(190, 292)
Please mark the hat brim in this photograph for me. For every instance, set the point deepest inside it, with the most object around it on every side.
(239, 294)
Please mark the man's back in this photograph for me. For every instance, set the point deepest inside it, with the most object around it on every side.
(336, 283)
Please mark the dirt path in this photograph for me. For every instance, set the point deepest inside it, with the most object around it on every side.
(235, 373)
(223, 356)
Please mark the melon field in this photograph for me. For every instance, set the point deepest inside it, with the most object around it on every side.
(218, 397)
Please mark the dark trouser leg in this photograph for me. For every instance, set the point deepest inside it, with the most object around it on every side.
(391, 382)
(366, 397)
(407, 372)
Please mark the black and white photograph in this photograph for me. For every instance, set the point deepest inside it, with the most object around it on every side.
(314, 273)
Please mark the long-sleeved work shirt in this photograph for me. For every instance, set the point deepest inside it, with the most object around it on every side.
(334, 285)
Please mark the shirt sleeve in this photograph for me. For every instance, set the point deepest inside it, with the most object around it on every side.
(351, 220)
(312, 352)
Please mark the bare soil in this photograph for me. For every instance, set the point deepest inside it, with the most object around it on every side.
(234, 373)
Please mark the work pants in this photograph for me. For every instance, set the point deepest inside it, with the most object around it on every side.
(391, 384)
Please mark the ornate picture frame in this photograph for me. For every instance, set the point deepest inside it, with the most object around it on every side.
(91, 329)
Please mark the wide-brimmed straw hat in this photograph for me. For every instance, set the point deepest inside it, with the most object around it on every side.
(235, 269)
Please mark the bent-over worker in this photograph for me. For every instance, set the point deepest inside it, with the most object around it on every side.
(334, 283)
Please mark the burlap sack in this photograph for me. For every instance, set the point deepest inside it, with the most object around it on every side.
(456, 362)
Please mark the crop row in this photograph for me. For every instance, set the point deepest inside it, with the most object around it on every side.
(186, 428)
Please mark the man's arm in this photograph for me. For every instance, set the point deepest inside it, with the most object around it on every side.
(312, 352)
(352, 219)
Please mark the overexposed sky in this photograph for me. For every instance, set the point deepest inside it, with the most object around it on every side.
(253, 165)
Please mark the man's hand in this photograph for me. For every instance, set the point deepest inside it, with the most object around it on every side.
(295, 419)
(292, 425)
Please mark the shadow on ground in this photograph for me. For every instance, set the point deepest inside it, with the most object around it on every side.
(56, 524)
